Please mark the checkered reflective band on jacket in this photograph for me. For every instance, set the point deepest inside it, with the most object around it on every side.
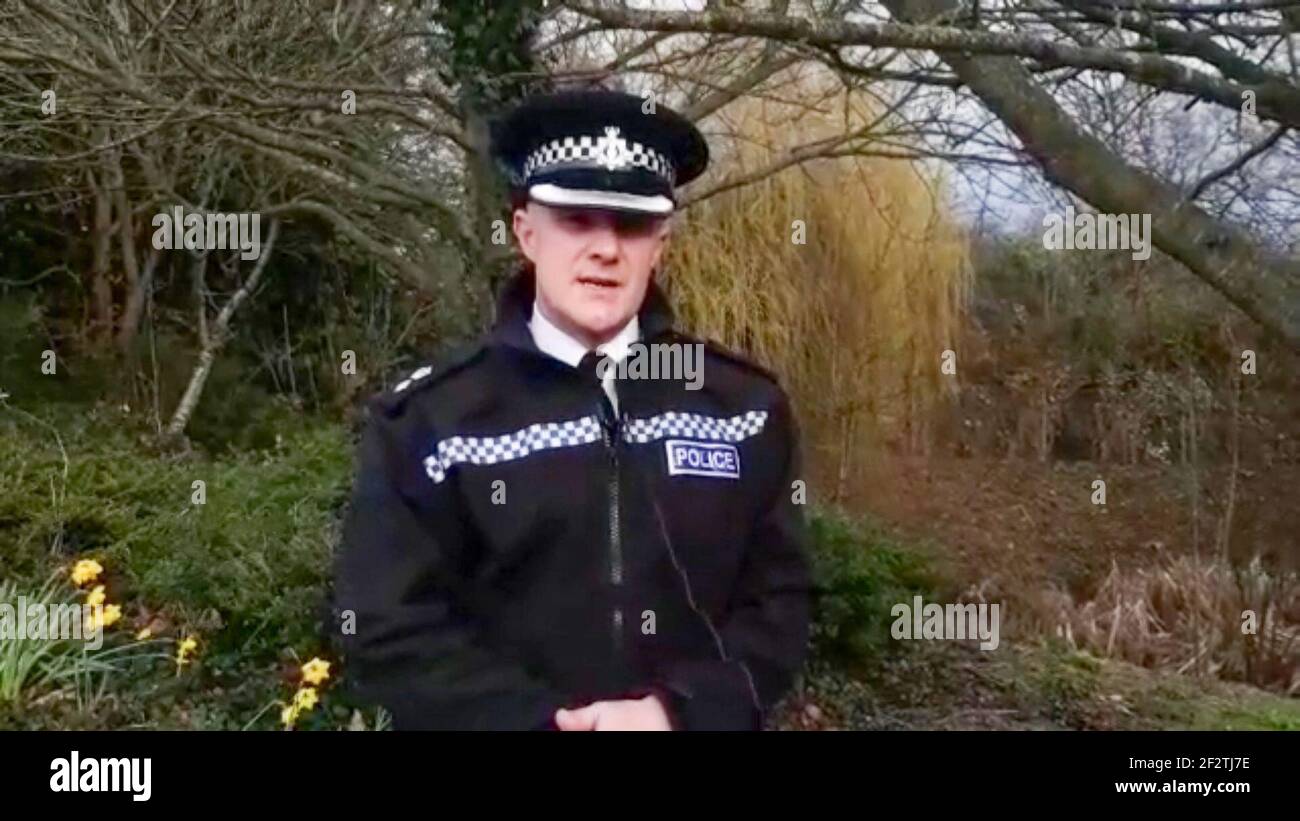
(492, 450)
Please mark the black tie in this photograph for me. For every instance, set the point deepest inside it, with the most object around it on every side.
(587, 367)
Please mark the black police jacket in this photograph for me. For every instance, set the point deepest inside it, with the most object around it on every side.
(510, 549)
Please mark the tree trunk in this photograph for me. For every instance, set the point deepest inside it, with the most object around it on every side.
(215, 339)
(138, 282)
(101, 290)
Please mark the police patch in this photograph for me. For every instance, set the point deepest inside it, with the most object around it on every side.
(721, 461)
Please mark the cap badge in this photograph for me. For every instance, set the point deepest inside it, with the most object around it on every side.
(612, 150)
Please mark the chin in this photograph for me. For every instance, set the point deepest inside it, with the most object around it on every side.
(602, 326)
(603, 323)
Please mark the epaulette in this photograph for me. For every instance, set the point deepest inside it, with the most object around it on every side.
(426, 376)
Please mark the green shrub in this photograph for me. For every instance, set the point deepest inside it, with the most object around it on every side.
(255, 556)
(26, 333)
(859, 573)
(246, 572)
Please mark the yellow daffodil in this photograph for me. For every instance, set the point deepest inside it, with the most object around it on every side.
(305, 699)
(85, 571)
(289, 715)
(101, 616)
(183, 650)
(316, 671)
(95, 597)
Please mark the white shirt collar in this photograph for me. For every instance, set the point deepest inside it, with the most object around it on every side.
(551, 340)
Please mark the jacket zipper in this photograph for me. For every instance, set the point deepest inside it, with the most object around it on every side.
(611, 431)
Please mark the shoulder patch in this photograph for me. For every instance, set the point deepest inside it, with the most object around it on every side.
(391, 401)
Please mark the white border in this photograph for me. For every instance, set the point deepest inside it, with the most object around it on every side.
(550, 194)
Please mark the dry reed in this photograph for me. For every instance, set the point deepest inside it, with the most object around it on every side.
(855, 318)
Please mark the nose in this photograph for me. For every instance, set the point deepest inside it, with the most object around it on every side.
(604, 238)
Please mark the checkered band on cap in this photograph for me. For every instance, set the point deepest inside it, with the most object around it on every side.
(491, 450)
(695, 426)
(610, 151)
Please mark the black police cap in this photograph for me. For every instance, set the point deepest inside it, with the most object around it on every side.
(598, 149)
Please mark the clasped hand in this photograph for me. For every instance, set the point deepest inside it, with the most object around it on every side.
(626, 714)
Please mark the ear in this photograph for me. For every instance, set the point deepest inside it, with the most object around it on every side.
(666, 226)
(665, 231)
(525, 231)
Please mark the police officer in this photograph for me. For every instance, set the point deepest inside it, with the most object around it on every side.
(536, 543)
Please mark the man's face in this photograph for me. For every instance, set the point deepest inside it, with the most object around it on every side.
(593, 266)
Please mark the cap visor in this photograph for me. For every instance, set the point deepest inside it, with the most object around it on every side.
(551, 194)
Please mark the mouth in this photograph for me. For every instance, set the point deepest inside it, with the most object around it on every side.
(599, 283)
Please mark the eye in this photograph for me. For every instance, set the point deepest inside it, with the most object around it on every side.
(637, 224)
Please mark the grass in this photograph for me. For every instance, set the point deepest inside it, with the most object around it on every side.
(246, 571)
(257, 548)
(1032, 685)
(56, 653)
